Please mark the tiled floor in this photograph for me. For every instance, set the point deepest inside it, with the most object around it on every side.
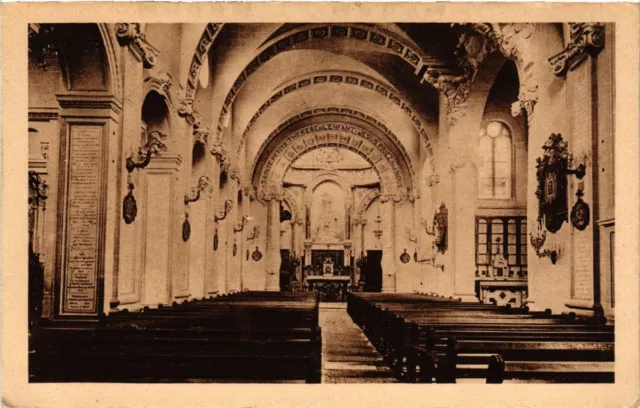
(347, 355)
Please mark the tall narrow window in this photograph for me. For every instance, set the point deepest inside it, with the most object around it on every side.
(494, 174)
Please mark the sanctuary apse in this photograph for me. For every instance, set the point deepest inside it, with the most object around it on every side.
(171, 162)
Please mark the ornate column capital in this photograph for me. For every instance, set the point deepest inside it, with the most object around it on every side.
(201, 135)
(585, 39)
(234, 173)
(433, 179)
(508, 38)
(527, 99)
(249, 191)
(360, 221)
(190, 114)
(131, 35)
(454, 88)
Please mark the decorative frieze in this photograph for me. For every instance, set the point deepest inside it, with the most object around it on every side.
(585, 39)
(131, 35)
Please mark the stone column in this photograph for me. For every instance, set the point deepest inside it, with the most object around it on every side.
(272, 272)
(389, 264)
(211, 285)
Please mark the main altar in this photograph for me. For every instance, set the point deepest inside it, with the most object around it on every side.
(327, 252)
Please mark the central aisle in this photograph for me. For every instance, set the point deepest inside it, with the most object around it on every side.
(347, 355)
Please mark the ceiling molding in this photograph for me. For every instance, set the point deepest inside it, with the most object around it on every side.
(387, 43)
(353, 79)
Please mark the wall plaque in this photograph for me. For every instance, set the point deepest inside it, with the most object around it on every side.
(84, 205)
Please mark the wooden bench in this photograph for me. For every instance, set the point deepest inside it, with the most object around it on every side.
(444, 340)
(256, 339)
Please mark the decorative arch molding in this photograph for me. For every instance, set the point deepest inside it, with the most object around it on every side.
(161, 84)
(388, 43)
(294, 205)
(328, 176)
(114, 76)
(394, 175)
(350, 78)
(476, 43)
(332, 110)
(207, 38)
(366, 202)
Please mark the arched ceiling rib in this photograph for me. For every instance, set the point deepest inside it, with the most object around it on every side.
(345, 79)
(278, 153)
(360, 41)
(327, 114)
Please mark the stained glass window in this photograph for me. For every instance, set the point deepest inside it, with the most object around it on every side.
(494, 174)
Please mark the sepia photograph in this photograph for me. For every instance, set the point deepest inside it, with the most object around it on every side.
(368, 201)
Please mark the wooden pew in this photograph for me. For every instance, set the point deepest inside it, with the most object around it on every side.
(256, 339)
(444, 340)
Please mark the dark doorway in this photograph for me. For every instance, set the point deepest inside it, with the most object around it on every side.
(373, 272)
(287, 271)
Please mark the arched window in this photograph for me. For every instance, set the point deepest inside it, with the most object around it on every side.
(494, 174)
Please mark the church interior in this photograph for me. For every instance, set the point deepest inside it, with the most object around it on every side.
(305, 202)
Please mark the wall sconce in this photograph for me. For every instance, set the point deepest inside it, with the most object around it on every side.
(412, 238)
(254, 234)
(225, 211)
(153, 146)
(240, 227)
(425, 224)
(203, 183)
(538, 240)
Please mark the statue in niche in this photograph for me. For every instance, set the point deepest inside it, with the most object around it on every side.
(328, 228)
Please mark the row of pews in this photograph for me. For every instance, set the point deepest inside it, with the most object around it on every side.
(431, 339)
(242, 337)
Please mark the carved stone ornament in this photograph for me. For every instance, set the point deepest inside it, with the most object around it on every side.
(201, 135)
(508, 38)
(527, 99)
(186, 228)
(580, 215)
(405, 257)
(203, 184)
(130, 34)
(552, 171)
(455, 89)
(129, 206)
(585, 39)
(256, 255)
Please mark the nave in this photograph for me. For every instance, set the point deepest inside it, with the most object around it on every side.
(206, 198)
(291, 337)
